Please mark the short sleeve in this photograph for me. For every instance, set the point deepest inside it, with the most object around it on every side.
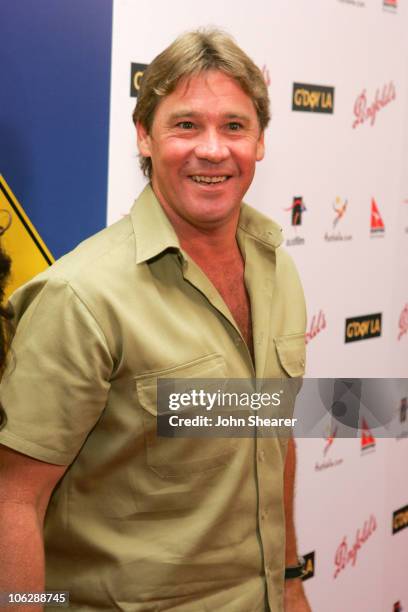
(56, 382)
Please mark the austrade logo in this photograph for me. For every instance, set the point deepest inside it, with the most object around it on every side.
(363, 327)
(317, 325)
(377, 227)
(403, 322)
(364, 111)
(309, 570)
(347, 555)
(340, 207)
(136, 74)
(297, 209)
(367, 440)
(390, 6)
(399, 520)
(313, 98)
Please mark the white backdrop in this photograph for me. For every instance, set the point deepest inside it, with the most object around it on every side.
(358, 47)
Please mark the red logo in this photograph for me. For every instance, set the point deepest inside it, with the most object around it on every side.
(390, 4)
(403, 322)
(364, 111)
(329, 440)
(377, 224)
(367, 438)
(345, 555)
(317, 324)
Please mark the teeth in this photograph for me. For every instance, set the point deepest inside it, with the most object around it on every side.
(209, 179)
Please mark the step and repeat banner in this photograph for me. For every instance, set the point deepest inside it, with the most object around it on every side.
(335, 177)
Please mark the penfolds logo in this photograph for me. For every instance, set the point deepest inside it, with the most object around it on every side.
(317, 324)
(363, 111)
(346, 555)
(403, 322)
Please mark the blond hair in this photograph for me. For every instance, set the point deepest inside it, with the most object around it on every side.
(189, 55)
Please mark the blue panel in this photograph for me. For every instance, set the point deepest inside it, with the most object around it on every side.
(54, 113)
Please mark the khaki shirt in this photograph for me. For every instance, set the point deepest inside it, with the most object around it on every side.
(139, 522)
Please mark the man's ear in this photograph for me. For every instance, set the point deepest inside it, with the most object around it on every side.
(143, 140)
(260, 147)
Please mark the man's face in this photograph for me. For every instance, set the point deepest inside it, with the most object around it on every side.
(203, 145)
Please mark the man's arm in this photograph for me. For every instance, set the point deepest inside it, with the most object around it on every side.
(25, 489)
(295, 598)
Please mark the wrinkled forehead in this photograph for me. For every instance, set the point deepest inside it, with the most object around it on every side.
(205, 89)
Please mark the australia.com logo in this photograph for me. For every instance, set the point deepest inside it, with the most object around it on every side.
(136, 74)
(363, 327)
(313, 98)
(399, 519)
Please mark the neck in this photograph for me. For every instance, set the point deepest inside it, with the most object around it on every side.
(216, 240)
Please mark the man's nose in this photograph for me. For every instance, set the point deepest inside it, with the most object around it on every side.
(211, 147)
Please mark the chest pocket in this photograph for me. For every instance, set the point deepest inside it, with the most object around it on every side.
(176, 458)
(292, 354)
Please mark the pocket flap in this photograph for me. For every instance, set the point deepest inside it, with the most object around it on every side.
(210, 366)
(292, 354)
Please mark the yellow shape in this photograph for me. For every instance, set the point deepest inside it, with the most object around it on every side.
(21, 241)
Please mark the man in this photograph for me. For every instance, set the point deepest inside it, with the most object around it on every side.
(191, 285)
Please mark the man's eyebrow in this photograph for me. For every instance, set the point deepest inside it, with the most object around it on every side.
(237, 116)
(188, 112)
(185, 112)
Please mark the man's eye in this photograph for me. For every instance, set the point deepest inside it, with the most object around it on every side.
(234, 126)
(185, 125)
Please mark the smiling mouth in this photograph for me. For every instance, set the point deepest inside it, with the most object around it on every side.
(209, 180)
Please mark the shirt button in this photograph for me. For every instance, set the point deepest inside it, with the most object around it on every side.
(302, 363)
(264, 514)
(261, 455)
(238, 342)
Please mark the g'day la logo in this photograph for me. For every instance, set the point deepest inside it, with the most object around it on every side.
(363, 328)
(309, 569)
(313, 98)
(397, 607)
(399, 519)
(136, 74)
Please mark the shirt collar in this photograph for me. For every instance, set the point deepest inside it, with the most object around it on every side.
(259, 226)
(154, 233)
